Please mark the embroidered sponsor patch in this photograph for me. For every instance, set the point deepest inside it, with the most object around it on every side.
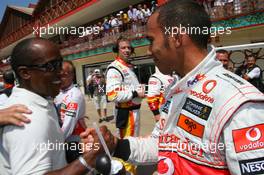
(190, 126)
(233, 78)
(251, 138)
(71, 109)
(165, 107)
(197, 78)
(252, 166)
(202, 96)
(196, 108)
(208, 86)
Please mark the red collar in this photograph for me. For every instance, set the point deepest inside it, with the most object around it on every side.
(123, 62)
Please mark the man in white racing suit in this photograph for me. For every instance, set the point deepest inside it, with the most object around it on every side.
(123, 88)
(157, 85)
(70, 104)
(212, 120)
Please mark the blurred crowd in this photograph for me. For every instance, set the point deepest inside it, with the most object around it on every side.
(130, 22)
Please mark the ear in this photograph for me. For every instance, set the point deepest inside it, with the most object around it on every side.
(24, 73)
(176, 40)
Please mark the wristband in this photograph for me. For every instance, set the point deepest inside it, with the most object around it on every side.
(84, 163)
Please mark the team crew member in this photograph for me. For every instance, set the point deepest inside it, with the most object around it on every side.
(212, 120)
(123, 88)
(70, 104)
(157, 85)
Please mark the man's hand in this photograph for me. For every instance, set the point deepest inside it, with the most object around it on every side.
(14, 115)
(90, 136)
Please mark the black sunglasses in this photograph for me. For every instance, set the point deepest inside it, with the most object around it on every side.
(49, 66)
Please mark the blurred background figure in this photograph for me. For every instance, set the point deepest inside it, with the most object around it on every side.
(70, 104)
(157, 85)
(253, 73)
(89, 85)
(98, 83)
(223, 57)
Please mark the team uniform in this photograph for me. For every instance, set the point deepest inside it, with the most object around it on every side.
(211, 123)
(36, 148)
(157, 85)
(70, 104)
(121, 84)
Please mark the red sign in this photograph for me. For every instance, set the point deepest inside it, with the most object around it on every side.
(250, 138)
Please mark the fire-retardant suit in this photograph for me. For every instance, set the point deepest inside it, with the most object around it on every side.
(211, 123)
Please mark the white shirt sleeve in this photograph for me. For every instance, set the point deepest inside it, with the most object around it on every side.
(255, 73)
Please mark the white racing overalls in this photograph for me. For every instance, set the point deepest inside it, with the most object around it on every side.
(211, 123)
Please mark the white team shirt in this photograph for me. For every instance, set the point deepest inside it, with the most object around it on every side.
(71, 105)
(32, 149)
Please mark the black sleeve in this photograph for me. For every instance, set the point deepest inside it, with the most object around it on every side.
(122, 149)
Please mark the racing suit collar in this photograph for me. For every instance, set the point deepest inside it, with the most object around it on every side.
(119, 59)
(207, 64)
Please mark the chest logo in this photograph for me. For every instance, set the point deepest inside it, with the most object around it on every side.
(190, 126)
(196, 108)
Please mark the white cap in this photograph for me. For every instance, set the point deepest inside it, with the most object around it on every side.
(121, 12)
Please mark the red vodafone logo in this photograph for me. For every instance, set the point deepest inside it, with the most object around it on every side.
(250, 138)
(253, 134)
(165, 166)
(208, 86)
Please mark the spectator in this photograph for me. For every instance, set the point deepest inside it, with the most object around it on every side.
(70, 105)
(253, 73)
(114, 25)
(125, 20)
(89, 85)
(146, 12)
(37, 65)
(223, 57)
(153, 6)
(219, 8)
(98, 82)
(107, 27)
(132, 15)
(229, 8)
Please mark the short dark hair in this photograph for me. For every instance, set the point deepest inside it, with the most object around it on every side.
(9, 77)
(188, 13)
(73, 70)
(251, 56)
(23, 54)
(222, 51)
